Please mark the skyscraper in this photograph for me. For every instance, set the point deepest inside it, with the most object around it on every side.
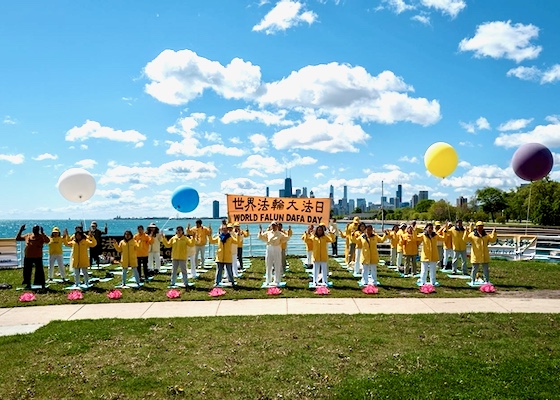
(398, 196)
(414, 200)
(422, 195)
(304, 192)
(288, 187)
(267, 192)
(215, 209)
(462, 202)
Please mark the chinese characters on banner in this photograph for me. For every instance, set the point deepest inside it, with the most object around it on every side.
(263, 210)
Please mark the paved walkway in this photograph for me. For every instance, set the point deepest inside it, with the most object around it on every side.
(21, 320)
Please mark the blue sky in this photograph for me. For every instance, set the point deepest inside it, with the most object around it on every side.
(230, 96)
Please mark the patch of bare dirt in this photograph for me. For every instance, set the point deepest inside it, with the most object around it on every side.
(530, 294)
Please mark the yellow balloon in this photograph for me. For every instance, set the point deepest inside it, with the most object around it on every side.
(441, 159)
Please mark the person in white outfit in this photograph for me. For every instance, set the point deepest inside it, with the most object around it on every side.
(273, 238)
(154, 253)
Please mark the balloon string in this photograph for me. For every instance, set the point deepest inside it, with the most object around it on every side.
(528, 207)
(168, 219)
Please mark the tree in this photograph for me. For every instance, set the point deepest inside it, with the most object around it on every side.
(492, 200)
(443, 211)
(357, 210)
(424, 205)
(545, 202)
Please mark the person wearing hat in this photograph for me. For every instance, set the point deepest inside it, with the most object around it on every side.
(241, 234)
(56, 254)
(480, 254)
(33, 255)
(273, 238)
(154, 252)
(459, 247)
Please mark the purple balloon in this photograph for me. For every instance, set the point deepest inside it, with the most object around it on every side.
(532, 161)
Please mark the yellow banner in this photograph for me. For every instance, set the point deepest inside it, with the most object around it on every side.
(287, 210)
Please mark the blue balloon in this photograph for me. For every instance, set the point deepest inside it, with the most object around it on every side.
(184, 199)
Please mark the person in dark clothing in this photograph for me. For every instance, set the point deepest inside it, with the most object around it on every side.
(33, 255)
(95, 251)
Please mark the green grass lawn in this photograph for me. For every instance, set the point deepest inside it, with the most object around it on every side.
(465, 356)
(506, 275)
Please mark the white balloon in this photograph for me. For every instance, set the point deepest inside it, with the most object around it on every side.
(76, 185)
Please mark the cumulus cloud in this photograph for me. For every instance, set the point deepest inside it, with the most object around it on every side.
(94, 130)
(9, 120)
(243, 186)
(483, 175)
(271, 165)
(422, 18)
(88, 163)
(398, 6)
(514, 124)
(548, 135)
(412, 160)
(283, 16)
(472, 127)
(550, 75)
(448, 7)
(45, 156)
(320, 134)
(259, 142)
(264, 117)
(371, 183)
(178, 77)
(13, 158)
(501, 39)
(174, 171)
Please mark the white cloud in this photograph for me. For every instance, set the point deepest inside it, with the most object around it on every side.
(472, 127)
(178, 77)
(265, 117)
(501, 39)
(243, 186)
(93, 129)
(88, 163)
(423, 19)
(412, 160)
(535, 74)
(343, 91)
(174, 171)
(115, 193)
(45, 156)
(372, 182)
(548, 135)
(448, 7)
(9, 120)
(320, 134)
(391, 167)
(318, 175)
(515, 124)
(483, 175)
(398, 6)
(260, 142)
(270, 165)
(464, 164)
(12, 158)
(283, 16)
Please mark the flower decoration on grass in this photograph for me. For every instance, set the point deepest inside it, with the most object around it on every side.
(114, 294)
(273, 291)
(75, 295)
(427, 288)
(322, 290)
(27, 296)
(370, 289)
(215, 292)
(487, 288)
(173, 294)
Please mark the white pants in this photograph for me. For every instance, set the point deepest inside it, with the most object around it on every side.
(320, 267)
(425, 266)
(154, 260)
(192, 262)
(309, 260)
(358, 263)
(447, 255)
(273, 261)
(60, 262)
(369, 270)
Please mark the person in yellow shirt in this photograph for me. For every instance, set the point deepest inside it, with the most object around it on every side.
(350, 246)
(144, 240)
(447, 247)
(320, 238)
(80, 243)
(307, 239)
(224, 254)
(241, 234)
(399, 234)
(128, 247)
(201, 235)
(178, 243)
(369, 255)
(430, 255)
(394, 240)
(357, 270)
(459, 247)
(480, 254)
(410, 241)
(56, 254)
(284, 246)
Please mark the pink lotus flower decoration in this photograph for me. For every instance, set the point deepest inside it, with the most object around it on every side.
(216, 292)
(27, 296)
(370, 289)
(322, 290)
(75, 295)
(173, 294)
(114, 294)
(427, 288)
(487, 288)
(273, 291)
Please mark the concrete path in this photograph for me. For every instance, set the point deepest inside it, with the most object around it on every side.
(21, 320)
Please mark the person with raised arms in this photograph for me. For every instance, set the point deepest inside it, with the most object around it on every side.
(430, 255)
(178, 243)
(394, 241)
(144, 240)
(284, 245)
(80, 260)
(410, 244)
(307, 239)
(95, 251)
(350, 247)
(358, 248)
(320, 239)
(224, 254)
(480, 254)
(128, 247)
(369, 254)
(154, 253)
(56, 255)
(201, 235)
(273, 238)
(33, 255)
(459, 247)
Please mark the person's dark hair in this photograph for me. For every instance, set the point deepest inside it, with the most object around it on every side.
(199, 221)
(129, 233)
(180, 228)
(79, 235)
(140, 227)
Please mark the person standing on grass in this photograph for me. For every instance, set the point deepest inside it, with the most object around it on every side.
(178, 243)
(191, 255)
(284, 245)
(241, 234)
(144, 241)
(369, 254)
(320, 239)
(399, 234)
(430, 256)
(33, 255)
(56, 254)
(350, 246)
(201, 235)
(459, 247)
(79, 257)
(154, 253)
(439, 230)
(273, 238)
(394, 240)
(95, 251)
(307, 239)
(447, 247)
(480, 254)
(333, 230)
(410, 250)
(128, 247)
(224, 254)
